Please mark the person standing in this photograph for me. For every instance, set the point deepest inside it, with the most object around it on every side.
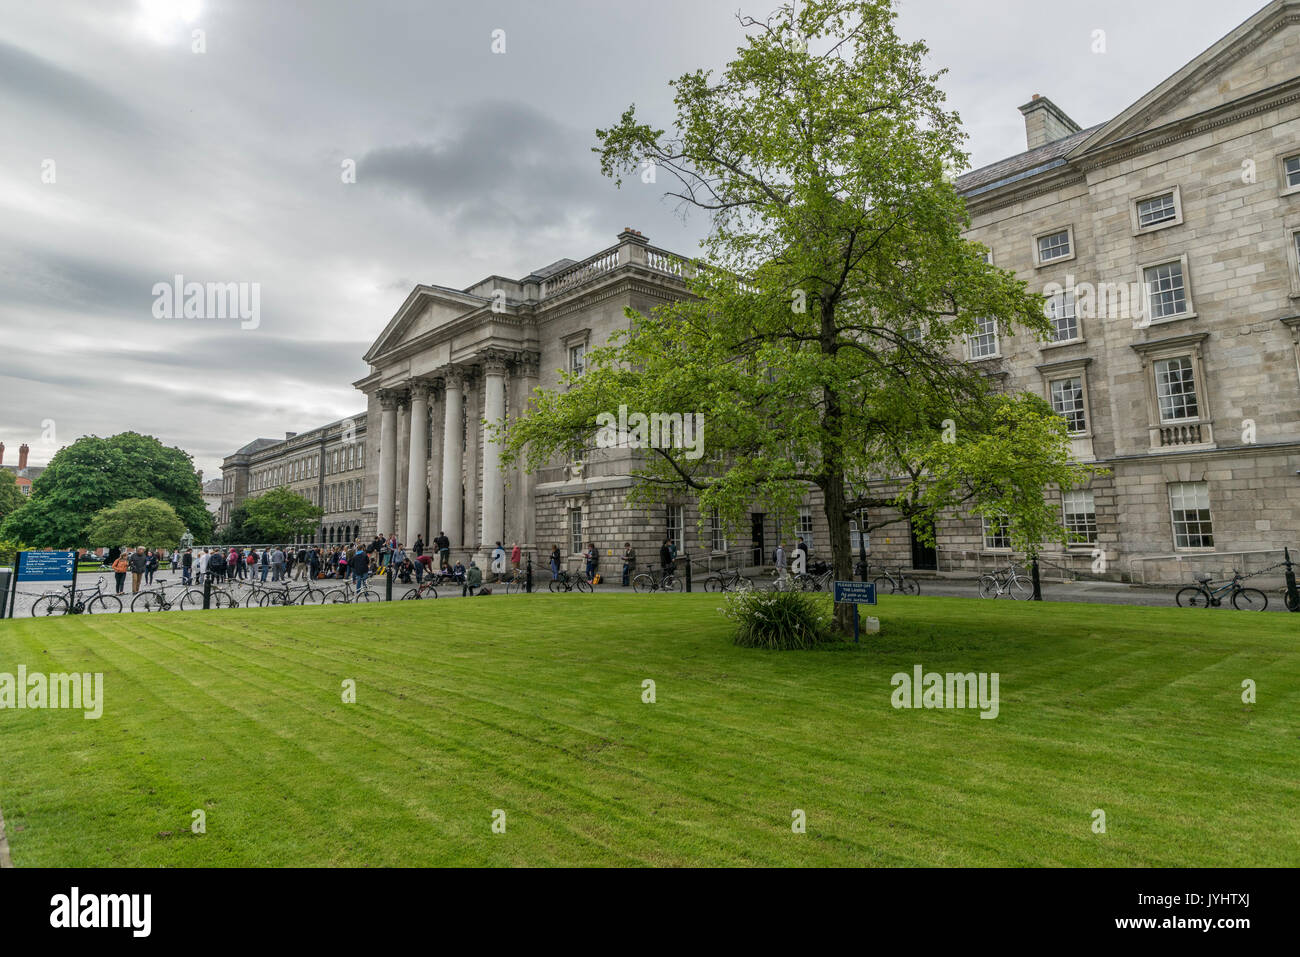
(217, 566)
(444, 550)
(555, 563)
(360, 566)
(593, 559)
(418, 547)
(780, 561)
(498, 562)
(277, 563)
(150, 566)
(138, 564)
(666, 556)
(265, 563)
(629, 562)
(515, 556)
(187, 566)
(121, 565)
(313, 563)
(202, 567)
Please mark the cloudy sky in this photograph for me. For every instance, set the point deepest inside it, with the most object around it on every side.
(226, 166)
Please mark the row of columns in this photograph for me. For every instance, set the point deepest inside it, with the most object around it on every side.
(493, 367)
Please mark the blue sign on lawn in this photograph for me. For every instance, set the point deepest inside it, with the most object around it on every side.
(857, 593)
(46, 566)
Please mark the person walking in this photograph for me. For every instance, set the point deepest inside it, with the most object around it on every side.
(150, 566)
(360, 566)
(629, 562)
(187, 566)
(138, 563)
(473, 579)
(121, 565)
(666, 556)
(555, 563)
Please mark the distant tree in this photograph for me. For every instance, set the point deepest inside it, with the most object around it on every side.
(149, 522)
(11, 497)
(94, 473)
(9, 552)
(236, 531)
(279, 515)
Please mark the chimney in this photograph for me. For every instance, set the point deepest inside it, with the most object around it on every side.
(22, 456)
(1045, 122)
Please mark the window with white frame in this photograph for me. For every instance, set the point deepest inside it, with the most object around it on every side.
(1054, 246)
(577, 358)
(1166, 290)
(997, 533)
(806, 525)
(1060, 309)
(983, 343)
(674, 524)
(1291, 171)
(1067, 402)
(1079, 513)
(1176, 389)
(718, 535)
(575, 530)
(1189, 508)
(1157, 210)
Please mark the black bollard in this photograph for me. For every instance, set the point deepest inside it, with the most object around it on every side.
(1292, 594)
(1038, 586)
(688, 571)
(388, 583)
(528, 575)
(207, 592)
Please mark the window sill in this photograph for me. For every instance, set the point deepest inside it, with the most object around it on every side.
(1045, 263)
(1166, 320)
(1145, 230)
(996, 355)
(1064, 342)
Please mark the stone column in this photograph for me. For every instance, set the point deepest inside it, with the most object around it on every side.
(494, 410)
(453, 386)
(387, 463)
(417, 475)
(527, 368)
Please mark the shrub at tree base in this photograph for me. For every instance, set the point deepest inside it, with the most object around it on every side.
(781, 620)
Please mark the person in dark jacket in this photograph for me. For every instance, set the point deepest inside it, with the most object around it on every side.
(217, 565)
(187, 566)
(360, 565)
(150, 566)
(444, 550)
(666, 556)
(138, 561)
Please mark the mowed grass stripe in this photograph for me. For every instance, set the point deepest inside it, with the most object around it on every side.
(738, 738)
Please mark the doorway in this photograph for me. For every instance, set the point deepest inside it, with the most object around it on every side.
(924, 557)
(756, 536)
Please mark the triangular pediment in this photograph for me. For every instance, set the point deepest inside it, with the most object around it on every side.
(425, 309)
(1259, 55)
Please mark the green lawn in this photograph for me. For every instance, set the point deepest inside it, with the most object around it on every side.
(533, 705)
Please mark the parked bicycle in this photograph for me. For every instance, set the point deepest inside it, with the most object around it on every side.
(568, 581)
(348, 594)
(1201, 595)
(425, 589)
(656, 581)
(284, 594)
(728, 581)
(155, 599)
(899, 582)
(77, 601)
(1006, 581)
(221, 597)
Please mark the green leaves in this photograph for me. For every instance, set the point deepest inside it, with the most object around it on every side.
(279, 515)
(149, 522)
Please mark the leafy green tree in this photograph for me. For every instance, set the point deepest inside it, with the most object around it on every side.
(9, 551)
(821, 342)
(94, 473)
(280, 514)
(237, 531)
(11, 496)
(149, 522)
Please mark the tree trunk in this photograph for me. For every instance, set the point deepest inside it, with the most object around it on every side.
(831, 480)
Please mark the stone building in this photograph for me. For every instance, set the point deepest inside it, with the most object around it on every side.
(1167, 243)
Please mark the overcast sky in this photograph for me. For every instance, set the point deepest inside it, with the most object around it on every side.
(225, 166)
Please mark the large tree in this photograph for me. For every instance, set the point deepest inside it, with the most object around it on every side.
(11, 496)
(94, 473)
(821, 338)
(280, 515)
(149, 522)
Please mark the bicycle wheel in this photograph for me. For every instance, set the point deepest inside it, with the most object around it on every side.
(366, 595)
(515, 587)
(555, 586)
(103, 604)
(988, 586)
(1292, 605)
(1249, 599)
(672, 583)
(641, 583)
(340, 596)
(310, 596)
(49, 605)
(911, 586)
(744, 584)
(1193, 597)
(221, 600)
(584, 586)
(884, 585)
(412, 594)
(1021, 588)
(713, 583)
(254, 598)
(147, 601)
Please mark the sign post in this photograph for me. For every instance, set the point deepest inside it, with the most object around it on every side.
(859, 593)
(46, 567)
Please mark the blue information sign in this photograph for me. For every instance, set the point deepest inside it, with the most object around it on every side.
(46, 566)
(859, 593)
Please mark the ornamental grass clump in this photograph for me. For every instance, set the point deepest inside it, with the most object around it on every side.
(780, 620)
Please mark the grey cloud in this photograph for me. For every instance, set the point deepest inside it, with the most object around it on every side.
(34, 80)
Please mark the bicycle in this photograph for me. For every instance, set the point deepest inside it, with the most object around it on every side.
(1006, 581)
(899, 582)
(728, 581)
(649, 581)
(348, 594)
(220, 598)
(423, 590)
(74, 602)
(1201, 595)
(285, 594)
(155, 599)
(817, 578)
(568, 581)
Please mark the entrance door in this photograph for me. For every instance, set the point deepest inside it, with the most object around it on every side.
(756, 536)
(924, 557)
